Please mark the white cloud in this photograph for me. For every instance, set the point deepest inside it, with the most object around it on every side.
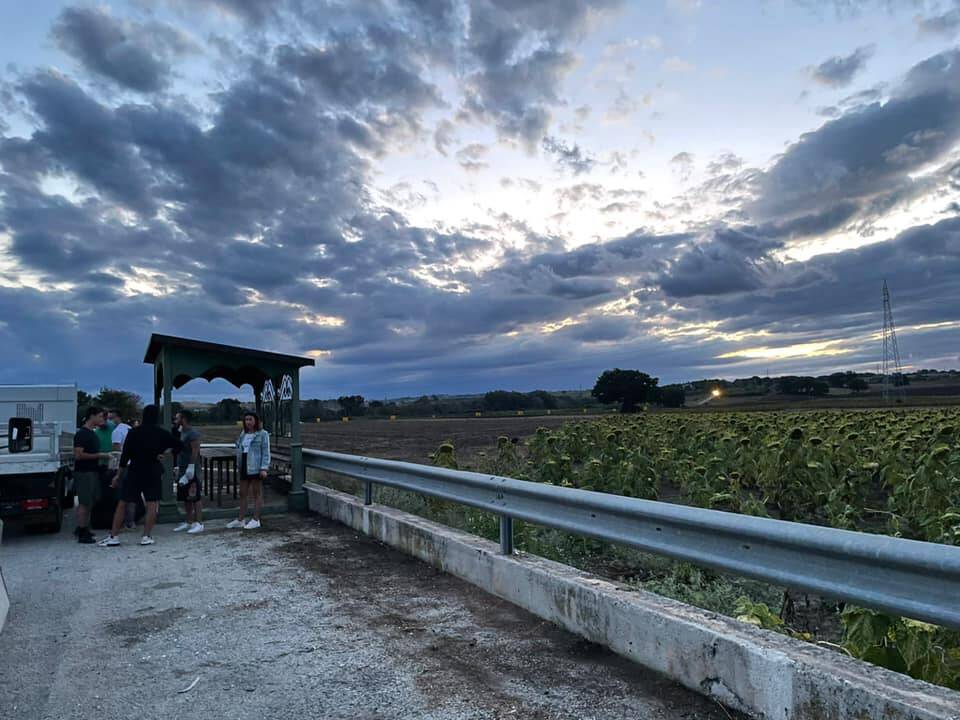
(677, 65)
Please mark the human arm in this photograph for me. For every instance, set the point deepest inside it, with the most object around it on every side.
(264, 453)
(118, 435)
(190, 471)
(80, 454)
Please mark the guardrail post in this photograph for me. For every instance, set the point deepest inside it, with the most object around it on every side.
(368, 493)
(506, 535)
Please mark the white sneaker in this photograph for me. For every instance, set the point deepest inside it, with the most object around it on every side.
(195, 528)
(109, 541)
(252, 524)
(145, 540)
(182, 526)
(234, 524)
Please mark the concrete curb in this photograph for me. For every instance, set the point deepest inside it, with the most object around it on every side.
(4, 598)
(761, 673)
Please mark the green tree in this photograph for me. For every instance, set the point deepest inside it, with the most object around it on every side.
(353, 405)
(857, 384)
(227, 410)
(504, 400)
(627, 387)
(84, 400)
(126, 403)
(672, 396)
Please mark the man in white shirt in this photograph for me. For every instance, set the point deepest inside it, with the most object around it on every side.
(118, 437)
(120, 431)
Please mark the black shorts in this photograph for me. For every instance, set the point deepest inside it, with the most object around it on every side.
(190, 492)
(245, 473)
(149, 483)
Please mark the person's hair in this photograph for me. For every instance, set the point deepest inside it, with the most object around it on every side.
(91, 411)
(151, 415)
(117, 413)
(186, 415)
(256, 419)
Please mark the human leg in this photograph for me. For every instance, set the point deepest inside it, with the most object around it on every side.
(256, 486)
(244, 490)
(151, 519)
(87, 486)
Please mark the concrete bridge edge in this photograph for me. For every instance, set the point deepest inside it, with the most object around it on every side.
(764, 674)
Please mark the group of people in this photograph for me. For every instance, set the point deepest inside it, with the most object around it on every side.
(139, 472)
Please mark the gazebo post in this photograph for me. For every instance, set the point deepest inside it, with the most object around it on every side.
(297, 499)
(168, 504)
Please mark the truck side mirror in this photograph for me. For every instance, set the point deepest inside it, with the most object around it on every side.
(20, 435)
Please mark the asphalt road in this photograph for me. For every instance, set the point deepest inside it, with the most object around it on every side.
(303, 619)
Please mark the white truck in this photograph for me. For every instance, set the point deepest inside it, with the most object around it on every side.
(34, 419)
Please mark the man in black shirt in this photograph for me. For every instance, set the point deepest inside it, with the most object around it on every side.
(141, 457)
(86, 469)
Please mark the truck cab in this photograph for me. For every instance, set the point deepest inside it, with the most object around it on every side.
(32, 481)
(36, 422)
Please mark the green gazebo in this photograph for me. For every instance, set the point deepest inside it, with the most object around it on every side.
(275, 378)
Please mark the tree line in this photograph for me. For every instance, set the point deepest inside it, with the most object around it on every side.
(628, 389)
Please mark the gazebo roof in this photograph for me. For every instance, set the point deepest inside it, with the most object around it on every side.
(189, 359)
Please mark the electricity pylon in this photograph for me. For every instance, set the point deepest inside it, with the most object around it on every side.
(892, 369)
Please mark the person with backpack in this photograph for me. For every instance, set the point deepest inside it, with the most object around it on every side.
(253, 461)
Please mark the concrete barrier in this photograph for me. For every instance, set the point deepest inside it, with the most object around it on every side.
(764, 674)
(4, 598)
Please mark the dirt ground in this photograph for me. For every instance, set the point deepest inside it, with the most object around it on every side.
(411, 440)
(302, 619)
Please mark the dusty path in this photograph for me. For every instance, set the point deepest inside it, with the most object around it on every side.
(302, 620)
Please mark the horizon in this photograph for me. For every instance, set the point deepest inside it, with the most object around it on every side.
(206, 399)
(461, 196)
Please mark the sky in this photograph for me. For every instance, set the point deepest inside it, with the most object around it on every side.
(454, 196)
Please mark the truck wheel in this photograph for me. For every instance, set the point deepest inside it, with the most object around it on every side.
(57, 523)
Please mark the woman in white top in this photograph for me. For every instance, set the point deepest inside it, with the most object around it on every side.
(253, 461)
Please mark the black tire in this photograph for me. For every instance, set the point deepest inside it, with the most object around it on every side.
(57, 523)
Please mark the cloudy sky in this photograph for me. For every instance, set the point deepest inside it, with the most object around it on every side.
(461, 195)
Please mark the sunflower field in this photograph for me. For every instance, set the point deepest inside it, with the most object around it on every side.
(880, 471)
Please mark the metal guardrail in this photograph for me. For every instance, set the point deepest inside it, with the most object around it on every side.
(904, 577)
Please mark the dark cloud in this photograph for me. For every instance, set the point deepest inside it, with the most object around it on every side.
(471, 157)
(729, 261)
(839, 70)
(257, 216)
(254, 12)
(135, 56)
(835, 294)
(513, 86)
(570, 157)
(682, 164)
(78, 135)
(812, 224)
(358, 70)
(946, 24)
(870, 150)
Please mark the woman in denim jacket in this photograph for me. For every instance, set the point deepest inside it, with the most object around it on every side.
(253, 461)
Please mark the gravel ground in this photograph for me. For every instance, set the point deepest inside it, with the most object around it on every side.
(303, 619)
